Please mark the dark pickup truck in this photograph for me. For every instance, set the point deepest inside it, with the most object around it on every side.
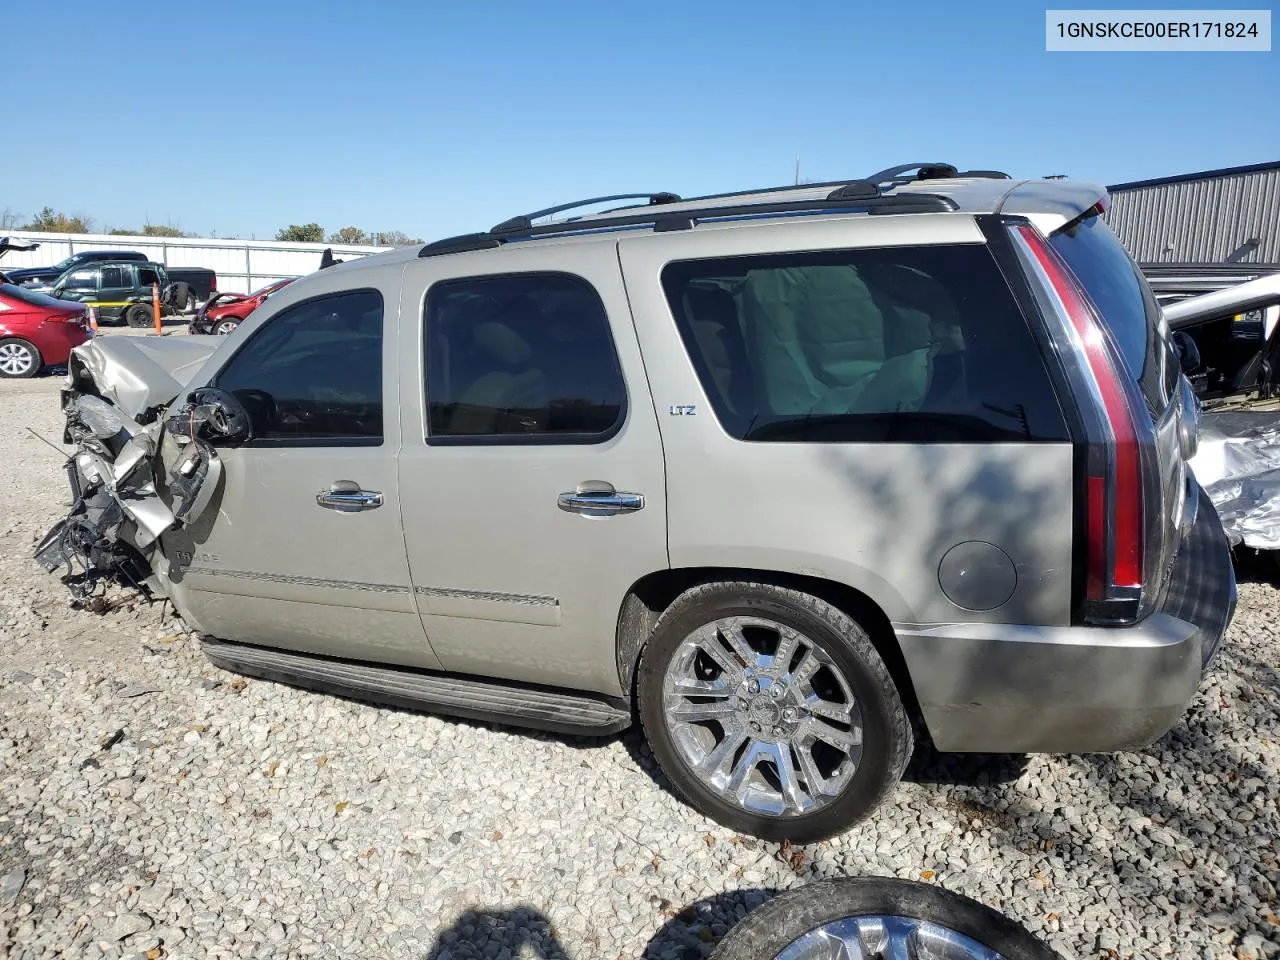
(42, 276)
(122, 291)
(201, 283)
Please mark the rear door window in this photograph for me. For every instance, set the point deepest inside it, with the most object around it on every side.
(521, 358)
(1128, 307)
(911, 344)
(114, 278)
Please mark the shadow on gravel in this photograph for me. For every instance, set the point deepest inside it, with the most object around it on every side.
(690, 933)
(1257, 566)
(930, 766)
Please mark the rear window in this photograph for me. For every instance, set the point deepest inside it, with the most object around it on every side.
(922, 344)
(1123, 298)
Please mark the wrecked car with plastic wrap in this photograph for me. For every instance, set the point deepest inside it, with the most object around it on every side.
(1235, 334)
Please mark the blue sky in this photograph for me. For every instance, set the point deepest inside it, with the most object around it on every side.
(437, 118)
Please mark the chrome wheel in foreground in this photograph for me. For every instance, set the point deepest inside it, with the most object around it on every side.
(893, 938)
(762, 716)
(15, 359)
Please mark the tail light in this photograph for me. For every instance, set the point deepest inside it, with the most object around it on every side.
(1115, 531)
(213, 284)
(64, 318)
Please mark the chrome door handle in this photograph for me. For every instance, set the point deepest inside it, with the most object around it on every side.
(598, 499)
(345, 496)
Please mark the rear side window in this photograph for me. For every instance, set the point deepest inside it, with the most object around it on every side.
(520, 358)
(113, 277)
(312, 375)
(920, 344)
(1125, 301)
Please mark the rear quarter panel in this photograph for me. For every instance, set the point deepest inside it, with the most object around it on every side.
(877, 517)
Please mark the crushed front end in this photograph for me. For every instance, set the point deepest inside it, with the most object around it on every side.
(131, 480)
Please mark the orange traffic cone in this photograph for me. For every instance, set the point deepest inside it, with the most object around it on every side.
(93, 320)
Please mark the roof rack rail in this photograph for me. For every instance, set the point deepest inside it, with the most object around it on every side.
(851, 196)
(525, 221)
(983, 175)
(930, 171)
(895, 174)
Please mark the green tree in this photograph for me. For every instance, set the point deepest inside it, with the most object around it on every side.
(122, 232)
(49, 220)
(161, 230)
(307, 233)
(349, 235)
(393, 238)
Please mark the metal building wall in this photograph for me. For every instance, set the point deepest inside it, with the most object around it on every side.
(1206, 220)
(241, 265)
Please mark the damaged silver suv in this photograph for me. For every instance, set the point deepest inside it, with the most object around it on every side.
(793, 475)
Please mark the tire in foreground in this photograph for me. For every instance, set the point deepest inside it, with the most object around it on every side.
(878, 917)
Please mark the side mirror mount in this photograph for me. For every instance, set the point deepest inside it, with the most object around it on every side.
(1188, 352)
(214, 415)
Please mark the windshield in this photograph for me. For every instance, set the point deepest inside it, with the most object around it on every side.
(30, 297)
(66, 264)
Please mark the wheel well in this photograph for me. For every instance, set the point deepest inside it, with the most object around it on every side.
(652, 594)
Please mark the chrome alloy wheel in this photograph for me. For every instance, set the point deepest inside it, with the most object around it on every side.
(897, 937)
(15, 359)
(762, 716)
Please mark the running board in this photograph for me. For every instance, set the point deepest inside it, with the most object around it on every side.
(489, 701)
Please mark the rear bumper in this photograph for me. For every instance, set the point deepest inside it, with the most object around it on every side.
(1007, 688)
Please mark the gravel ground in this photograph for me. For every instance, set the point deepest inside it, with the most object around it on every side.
(154, 806)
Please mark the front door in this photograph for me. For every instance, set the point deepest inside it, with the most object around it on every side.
(301, 547)
(79, 285)
(531, 471)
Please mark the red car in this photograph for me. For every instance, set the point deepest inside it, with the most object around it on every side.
(37, 331)
(223, 312)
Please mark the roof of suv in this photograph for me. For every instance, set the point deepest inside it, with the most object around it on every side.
(1047, 203)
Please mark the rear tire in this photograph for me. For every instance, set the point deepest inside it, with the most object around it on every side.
(140, 315)
(786, 750)
(19, 359)
(932, 911)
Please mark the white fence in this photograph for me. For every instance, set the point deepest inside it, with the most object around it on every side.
(241, 265)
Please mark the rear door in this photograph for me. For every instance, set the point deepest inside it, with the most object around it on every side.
(117, 285)
(532, 471)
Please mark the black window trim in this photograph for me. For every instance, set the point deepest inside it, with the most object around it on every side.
(267, 443)
(703, 373)
(516, 439)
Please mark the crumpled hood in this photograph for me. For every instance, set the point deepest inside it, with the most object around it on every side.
(140, 373)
